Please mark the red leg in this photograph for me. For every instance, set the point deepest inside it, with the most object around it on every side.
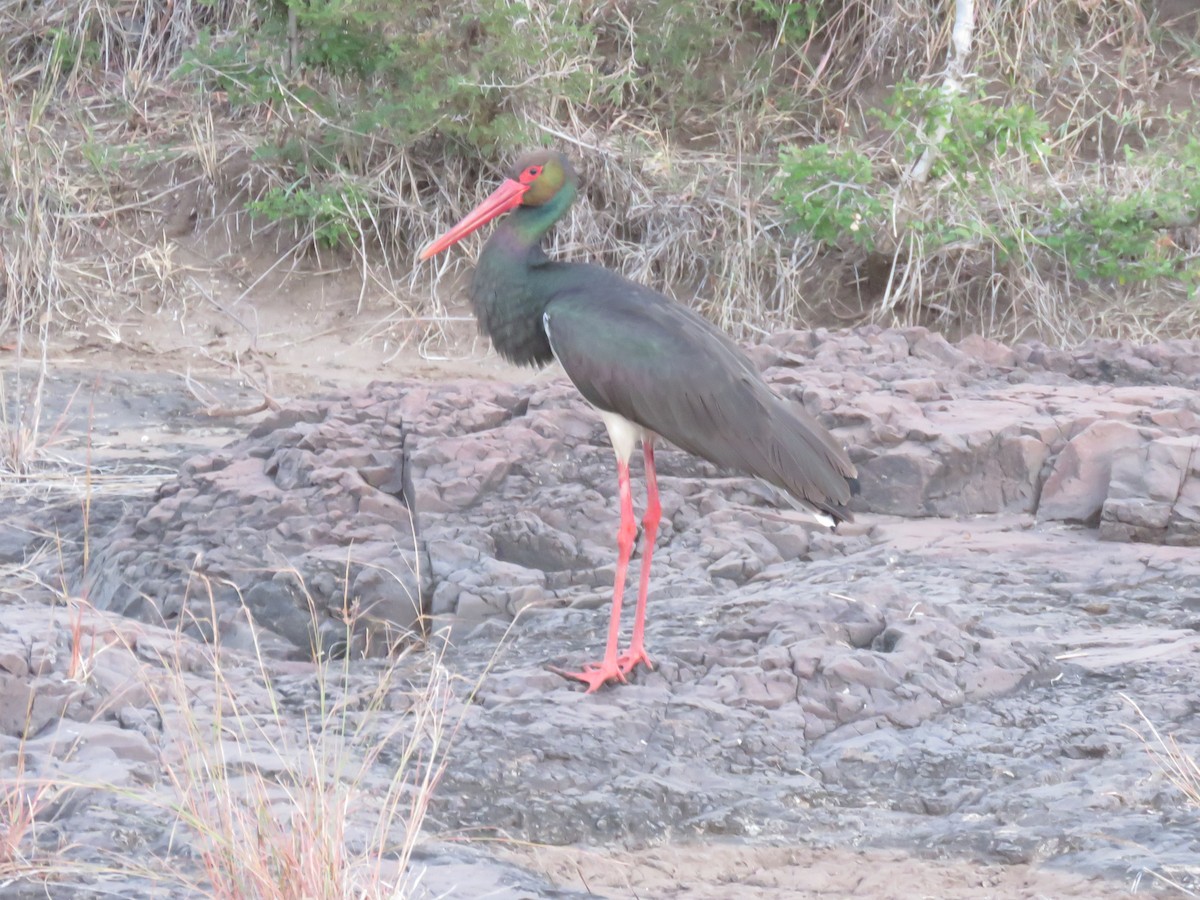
(637, 647)
(596, 674)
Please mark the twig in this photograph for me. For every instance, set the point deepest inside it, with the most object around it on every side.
(214, 410)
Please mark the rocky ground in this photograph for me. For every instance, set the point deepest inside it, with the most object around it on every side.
(938, 699)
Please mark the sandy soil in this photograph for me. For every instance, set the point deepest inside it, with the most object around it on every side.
(716, 871)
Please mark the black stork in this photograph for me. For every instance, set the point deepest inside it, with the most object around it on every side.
(651, 367)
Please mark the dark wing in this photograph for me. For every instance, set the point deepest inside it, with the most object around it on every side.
(631, 351)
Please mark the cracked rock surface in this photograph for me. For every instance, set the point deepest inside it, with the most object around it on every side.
(949, 677)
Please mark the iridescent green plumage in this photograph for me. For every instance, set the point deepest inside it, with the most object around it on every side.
(631, 351)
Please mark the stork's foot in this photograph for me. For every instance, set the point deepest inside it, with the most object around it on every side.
(628, 660)
(594, 674)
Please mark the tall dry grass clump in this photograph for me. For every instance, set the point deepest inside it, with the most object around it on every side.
(80, 81)
(271, 779)
(1179, 766)
(312, 786)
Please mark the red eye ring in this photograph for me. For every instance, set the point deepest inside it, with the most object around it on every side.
(531, 173)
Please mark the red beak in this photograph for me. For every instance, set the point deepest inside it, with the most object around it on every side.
(507, 196)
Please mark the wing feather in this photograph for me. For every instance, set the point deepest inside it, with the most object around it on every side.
(669, 370)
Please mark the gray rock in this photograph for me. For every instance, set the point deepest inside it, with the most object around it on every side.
(280, 539)
(1154, 494)
(949, 682)
(1078, 483)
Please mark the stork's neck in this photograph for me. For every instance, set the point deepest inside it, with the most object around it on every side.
(508, 295)
(531, 223)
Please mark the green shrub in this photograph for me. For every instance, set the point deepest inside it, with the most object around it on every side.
(400, 72)
(334, 212)
(978, 129)
(371, 78)
(247, 72)
(1127, 237)
(833, 195)
(797, 19)
(980, 198)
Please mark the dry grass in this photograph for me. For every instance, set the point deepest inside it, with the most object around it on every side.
(680, 184)
(317, 794)
(981, 285)
(1182, 769)
(22, 394)
(274, 780)
(24, 803)
(40, 459)
(73, 131)
(271, 779)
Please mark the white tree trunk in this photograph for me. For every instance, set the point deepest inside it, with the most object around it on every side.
(961, 35)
